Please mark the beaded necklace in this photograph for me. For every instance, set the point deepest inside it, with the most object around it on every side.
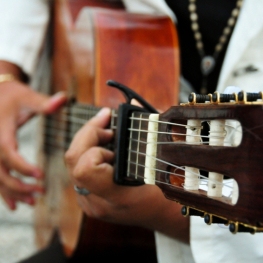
(208, 61)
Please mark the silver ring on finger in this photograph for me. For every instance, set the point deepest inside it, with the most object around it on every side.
(81, 191)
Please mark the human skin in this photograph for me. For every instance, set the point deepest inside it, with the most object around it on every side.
(90, 166)
(19, 103)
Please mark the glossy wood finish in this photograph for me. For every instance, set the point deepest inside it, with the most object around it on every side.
(140, 55)
(138, 50)
(91, 46)
(243, 163)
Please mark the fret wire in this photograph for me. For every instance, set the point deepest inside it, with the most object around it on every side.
(70, 118)
(84, 111)
(60, 130)
(56, 143)
(129, 152)
(50, 150)
(112, 120)
(82, 108)
(55, 138)
(138, 144)
(53, 131)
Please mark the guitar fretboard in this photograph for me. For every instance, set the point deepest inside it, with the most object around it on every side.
(61, 127)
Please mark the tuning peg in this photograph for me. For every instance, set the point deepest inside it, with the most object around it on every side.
(199, 98)
(235, 227)
(212, 219)
(188, 211)
(249, 96)
(221, 97)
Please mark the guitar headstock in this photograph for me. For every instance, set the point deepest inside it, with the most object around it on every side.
(217, 175)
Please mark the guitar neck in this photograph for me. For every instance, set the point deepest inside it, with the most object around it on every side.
(61, 127)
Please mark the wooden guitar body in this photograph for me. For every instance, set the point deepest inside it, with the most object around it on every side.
(90, 46)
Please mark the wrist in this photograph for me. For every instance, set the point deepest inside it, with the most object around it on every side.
(10, 72)
(5, 77)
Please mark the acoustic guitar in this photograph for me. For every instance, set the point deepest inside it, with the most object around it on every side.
(216, 175)
(90, 46)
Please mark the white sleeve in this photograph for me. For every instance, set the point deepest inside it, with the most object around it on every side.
(149, 7)
(23, 26)
(215, 243)
(170, 250)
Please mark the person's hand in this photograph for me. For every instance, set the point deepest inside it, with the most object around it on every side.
(18, 103)
(90, 167)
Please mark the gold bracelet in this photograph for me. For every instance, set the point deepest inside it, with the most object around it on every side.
(7, 77)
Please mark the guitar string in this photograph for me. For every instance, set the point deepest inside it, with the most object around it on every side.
(170, 164)
(170, 184)
(59, 132)
(204, 178)
(81, 121)
(54, 127)
(86, 112)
